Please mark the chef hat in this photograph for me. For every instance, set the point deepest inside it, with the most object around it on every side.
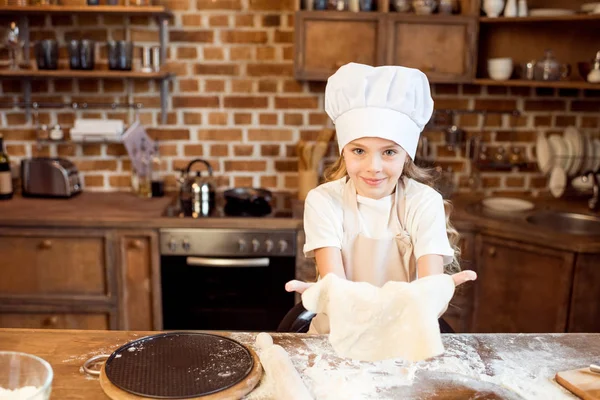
(388, 102)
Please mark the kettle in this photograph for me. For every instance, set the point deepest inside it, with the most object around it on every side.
(197, 193)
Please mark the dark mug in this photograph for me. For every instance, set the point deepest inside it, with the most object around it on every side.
(87, 54)
(120, 55)
(46, 54)
(73, 48)
(366, 5)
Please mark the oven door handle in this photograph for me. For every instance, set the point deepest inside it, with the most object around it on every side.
(227, 262)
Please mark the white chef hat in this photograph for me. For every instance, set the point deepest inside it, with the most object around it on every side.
(388, 102)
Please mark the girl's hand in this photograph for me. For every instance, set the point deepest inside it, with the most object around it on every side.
(459, 278)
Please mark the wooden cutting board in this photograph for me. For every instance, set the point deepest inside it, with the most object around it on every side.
(582, 382)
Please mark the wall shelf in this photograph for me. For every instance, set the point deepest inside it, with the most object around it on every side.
(157, 11)
(542, 84)
(94, 74)
(558, 18)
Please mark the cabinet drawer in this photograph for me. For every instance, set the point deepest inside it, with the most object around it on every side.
(53, 265)
(55, 320)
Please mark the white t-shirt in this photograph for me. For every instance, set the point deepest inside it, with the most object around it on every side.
(424, 219)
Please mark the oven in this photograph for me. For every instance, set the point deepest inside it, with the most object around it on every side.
(226, 279)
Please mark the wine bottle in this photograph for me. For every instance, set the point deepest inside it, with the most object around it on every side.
(6, 189)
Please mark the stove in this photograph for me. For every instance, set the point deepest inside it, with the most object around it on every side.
(226, 279)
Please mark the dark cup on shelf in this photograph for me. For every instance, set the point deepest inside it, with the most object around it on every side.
(120, 55)
(46, 54)
(73, 48)
(366, 5)
(320, 5)
(86, 54)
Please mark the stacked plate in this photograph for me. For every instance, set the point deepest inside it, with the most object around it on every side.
(569, 154)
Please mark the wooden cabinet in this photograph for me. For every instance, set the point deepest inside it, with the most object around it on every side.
(584, 315)
(56, 263)
(326, 41)
(442, 47)
(459, 311)
(140, 302)
(521, 287)
(80, 279)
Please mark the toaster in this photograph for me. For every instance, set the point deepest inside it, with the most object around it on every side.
(49, 177)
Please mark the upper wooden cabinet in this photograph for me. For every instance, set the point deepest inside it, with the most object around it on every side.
(326, 41)
(442, 47)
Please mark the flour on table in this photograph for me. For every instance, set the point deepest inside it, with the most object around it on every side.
(23, 393)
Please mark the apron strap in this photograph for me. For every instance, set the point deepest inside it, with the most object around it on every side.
(350, 208)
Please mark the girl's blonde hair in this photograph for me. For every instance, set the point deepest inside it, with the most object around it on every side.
(337, 170)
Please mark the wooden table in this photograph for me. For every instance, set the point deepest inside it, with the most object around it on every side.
(522, 366)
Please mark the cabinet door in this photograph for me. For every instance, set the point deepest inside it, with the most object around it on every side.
(521, 288)
(442, 47)
(139, 304)
(460, 309)
(585, 301)
(55, 263)
(54, 320)
(326, 41)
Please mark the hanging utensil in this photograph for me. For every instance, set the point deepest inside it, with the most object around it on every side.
(318, 153)
(307, 154)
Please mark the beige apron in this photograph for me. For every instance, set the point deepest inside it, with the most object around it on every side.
(376, 261)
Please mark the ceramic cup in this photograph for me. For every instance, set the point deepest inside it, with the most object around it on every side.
(493, 8)
(500, 69)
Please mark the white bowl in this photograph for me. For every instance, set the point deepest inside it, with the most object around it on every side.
(493, 8)
(500, 69)
(24, 376)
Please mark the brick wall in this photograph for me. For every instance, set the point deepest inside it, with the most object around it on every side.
(235, 101)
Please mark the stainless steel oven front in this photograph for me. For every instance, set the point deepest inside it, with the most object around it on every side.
(226, 279)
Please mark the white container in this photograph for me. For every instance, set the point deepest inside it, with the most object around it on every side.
(523, 9)
(511, 8)
(493, 8)
(500, 69)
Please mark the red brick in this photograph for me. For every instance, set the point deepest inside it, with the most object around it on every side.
(214, 53)
(15, 119)
(564, 120)
(266, 5)
(242, 118)
(195, 101)
(270, 150)
(218, 21)
(270, 135)
(268, 119)
(116, 149)
(240, 36)
(585, 106)
(243, 150)
(246, 102)
(244, 20)
(243, 181)
(218, 118)
(542, 120)
(91, 149)
(111, 86)
(288, 53)
(271, 20)
(267, 86)
(216, 69)
(495, 104)
(286, 166)
(193, 150)
(187, 53)
(219, 150)
(167, 149)
(242, 86)
(191, 36)
(442, 88)
(169, 134)
(450, 104)
(317, 119)
(293, 86)
(270, 69)
(18, 134)
(220, 134)
(218, 5)
(213, 85)
(120, 181)
(241, 53)
(268, 181)
(251, 166)
(296, 102)
(188, 85)
(16, 150)
(192, 118)
(265, 53)
(293, 119)
(191, 20)
(284, 37)
(544, 105)
(96, 165)
(93, 180)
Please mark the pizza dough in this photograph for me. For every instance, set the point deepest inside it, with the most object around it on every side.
(370, 323)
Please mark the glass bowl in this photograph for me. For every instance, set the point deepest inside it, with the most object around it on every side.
(24, 377)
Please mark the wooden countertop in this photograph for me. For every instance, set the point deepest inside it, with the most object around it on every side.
(124, 210)
(518, 366)
(117, 210)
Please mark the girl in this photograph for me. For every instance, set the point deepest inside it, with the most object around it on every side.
(377, 219)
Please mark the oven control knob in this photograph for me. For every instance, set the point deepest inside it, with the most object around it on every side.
(242, 245)
(185, 244)
(283, 245)
(269, 245)
(255, 245)
(172, 245)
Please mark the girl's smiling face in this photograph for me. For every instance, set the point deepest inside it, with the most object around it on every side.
(374, 165)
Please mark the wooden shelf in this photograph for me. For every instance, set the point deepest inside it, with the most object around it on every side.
(558, 18)
(94, 74)
(543, 84)
(159, 11)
